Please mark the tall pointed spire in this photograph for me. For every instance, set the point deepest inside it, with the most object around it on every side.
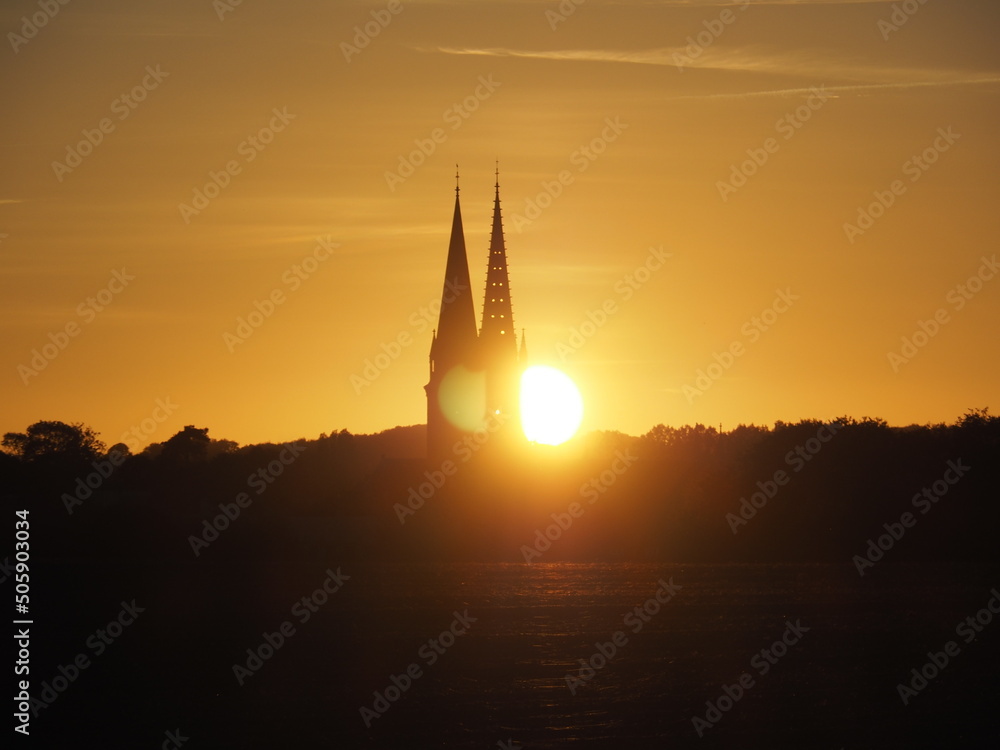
(454, 348)
(497, 337)
(497, 330)
(456, 331)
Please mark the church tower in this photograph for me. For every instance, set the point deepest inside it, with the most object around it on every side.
(474, 377)
(497, 338)
(453, 348)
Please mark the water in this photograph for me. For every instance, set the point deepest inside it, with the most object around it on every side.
(854, 639)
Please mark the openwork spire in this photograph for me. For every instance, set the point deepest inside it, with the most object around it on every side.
(497, 328)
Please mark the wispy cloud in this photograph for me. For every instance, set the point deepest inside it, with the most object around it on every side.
(855, 88)
(850, 76)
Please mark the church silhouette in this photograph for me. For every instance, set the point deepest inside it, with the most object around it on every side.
(474, 376)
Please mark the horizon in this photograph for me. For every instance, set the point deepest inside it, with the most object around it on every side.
(580, 436)
(790, 206)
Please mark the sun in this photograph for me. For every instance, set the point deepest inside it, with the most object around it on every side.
(551, 405)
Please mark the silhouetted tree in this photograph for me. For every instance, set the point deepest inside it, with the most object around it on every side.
(219, 447)
(119, 450)
(189, 446)
(54, 441)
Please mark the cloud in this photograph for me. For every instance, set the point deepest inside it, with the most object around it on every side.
(856, 88)
(642, 57)
(853, 76)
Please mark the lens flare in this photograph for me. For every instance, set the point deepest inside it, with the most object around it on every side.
(462, 397)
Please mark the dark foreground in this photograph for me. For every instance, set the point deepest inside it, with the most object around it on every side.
(499, 677)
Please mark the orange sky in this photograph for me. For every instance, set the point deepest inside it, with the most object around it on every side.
(832, 101)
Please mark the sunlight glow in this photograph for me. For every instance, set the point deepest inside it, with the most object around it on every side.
(463, 398)
(551, 405)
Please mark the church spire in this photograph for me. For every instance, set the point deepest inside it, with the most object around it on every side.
(497, 337)
(497, 330)
(456, 331)
(454, 344)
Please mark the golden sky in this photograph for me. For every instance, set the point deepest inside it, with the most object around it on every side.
(754, 146)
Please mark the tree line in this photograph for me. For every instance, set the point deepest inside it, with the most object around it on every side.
(841, 490)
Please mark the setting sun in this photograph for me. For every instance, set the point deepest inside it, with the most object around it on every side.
(551, 405)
